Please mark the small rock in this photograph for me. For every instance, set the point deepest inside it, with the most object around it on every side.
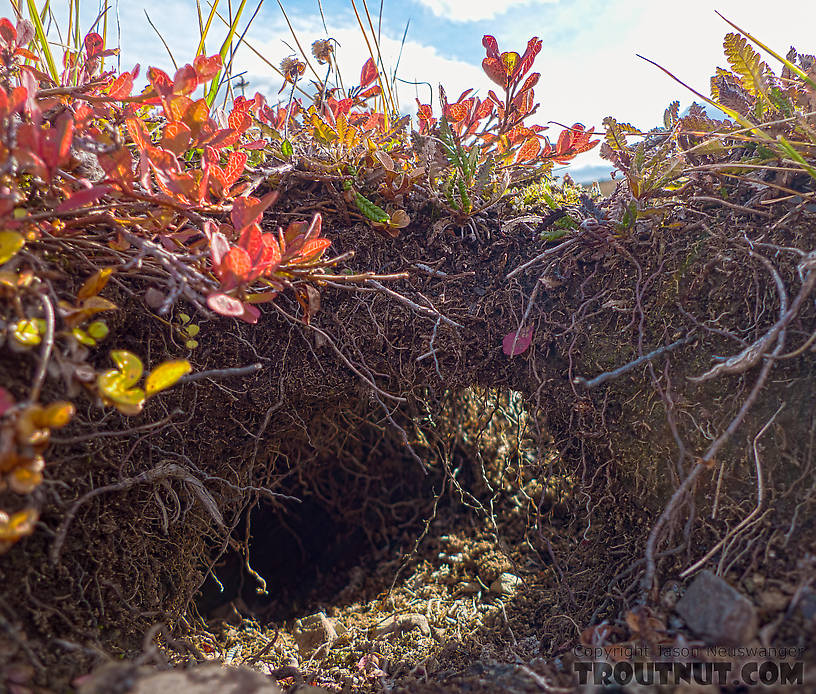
(401, 623)
(315, 631)
(773, 600)
(469, 588)
(506, 584)
(716, 612)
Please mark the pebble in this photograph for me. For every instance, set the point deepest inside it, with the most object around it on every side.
(718, 613)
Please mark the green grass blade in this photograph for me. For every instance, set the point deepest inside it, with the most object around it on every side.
(216, 82)
(42, 39)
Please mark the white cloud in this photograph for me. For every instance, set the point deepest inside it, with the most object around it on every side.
(474, 10)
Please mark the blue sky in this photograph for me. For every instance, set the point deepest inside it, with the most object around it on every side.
(588, 61)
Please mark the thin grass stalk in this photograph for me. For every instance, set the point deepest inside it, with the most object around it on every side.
(206, 28)
(384, 83)
(213, 92)
(42, 39)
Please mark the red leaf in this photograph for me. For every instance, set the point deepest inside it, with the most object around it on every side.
(8, 34)
(311, 250)
(235, 265)
(517, 342)
(368, 73)
(138, 133)
(83, 197)
(239, 120)
(526, 62)
(530, 82)
(368, 93)
(207, 68)
(250, 314)
(220, 138)
(94, 44)
(118, 166)
(255, 144)
(121, 87)
(424, 111)
(485, 109)
(455, 112)
(315, 226)
(491, 45)
(176, 137)
(494, 68)
(159, 80)
(235, 166)
(218, 243)
(64, 135)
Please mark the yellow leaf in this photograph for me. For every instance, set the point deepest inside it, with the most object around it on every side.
(57, 414)
(26, 333)
(95, 283)
(10, 243)
(165, 375)
(129, 364)
(116, 385)
(19, 525)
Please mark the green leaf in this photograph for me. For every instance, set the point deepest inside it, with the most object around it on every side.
(98, 330)
(192, 330)
(10, 244)
(166, 375)
(286, 148)
(191, 344)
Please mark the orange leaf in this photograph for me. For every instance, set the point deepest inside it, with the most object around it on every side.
(121, 87)
(311, 250)
(176, 137)
(207, 68)
(528, 151)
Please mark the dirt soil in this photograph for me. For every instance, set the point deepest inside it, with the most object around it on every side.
(463, 519)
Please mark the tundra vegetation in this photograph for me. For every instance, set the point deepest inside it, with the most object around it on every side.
(263, 358)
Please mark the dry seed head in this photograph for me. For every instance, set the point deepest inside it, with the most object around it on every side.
(322, 50)
(292, 68)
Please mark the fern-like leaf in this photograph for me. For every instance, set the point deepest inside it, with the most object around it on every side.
(671, 115)
(746, 62)
(616, 133)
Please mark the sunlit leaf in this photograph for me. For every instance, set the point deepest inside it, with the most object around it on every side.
(10, 244)
(98, 330)
(95, 283)
(166, 375)
(286, 148)
(57, 414)
(26, 332)
(83, 338)
(368, 73)
(19, 525)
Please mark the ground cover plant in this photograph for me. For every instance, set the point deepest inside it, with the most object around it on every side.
(360, 326)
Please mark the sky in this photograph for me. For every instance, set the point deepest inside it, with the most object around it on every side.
(588, 61)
